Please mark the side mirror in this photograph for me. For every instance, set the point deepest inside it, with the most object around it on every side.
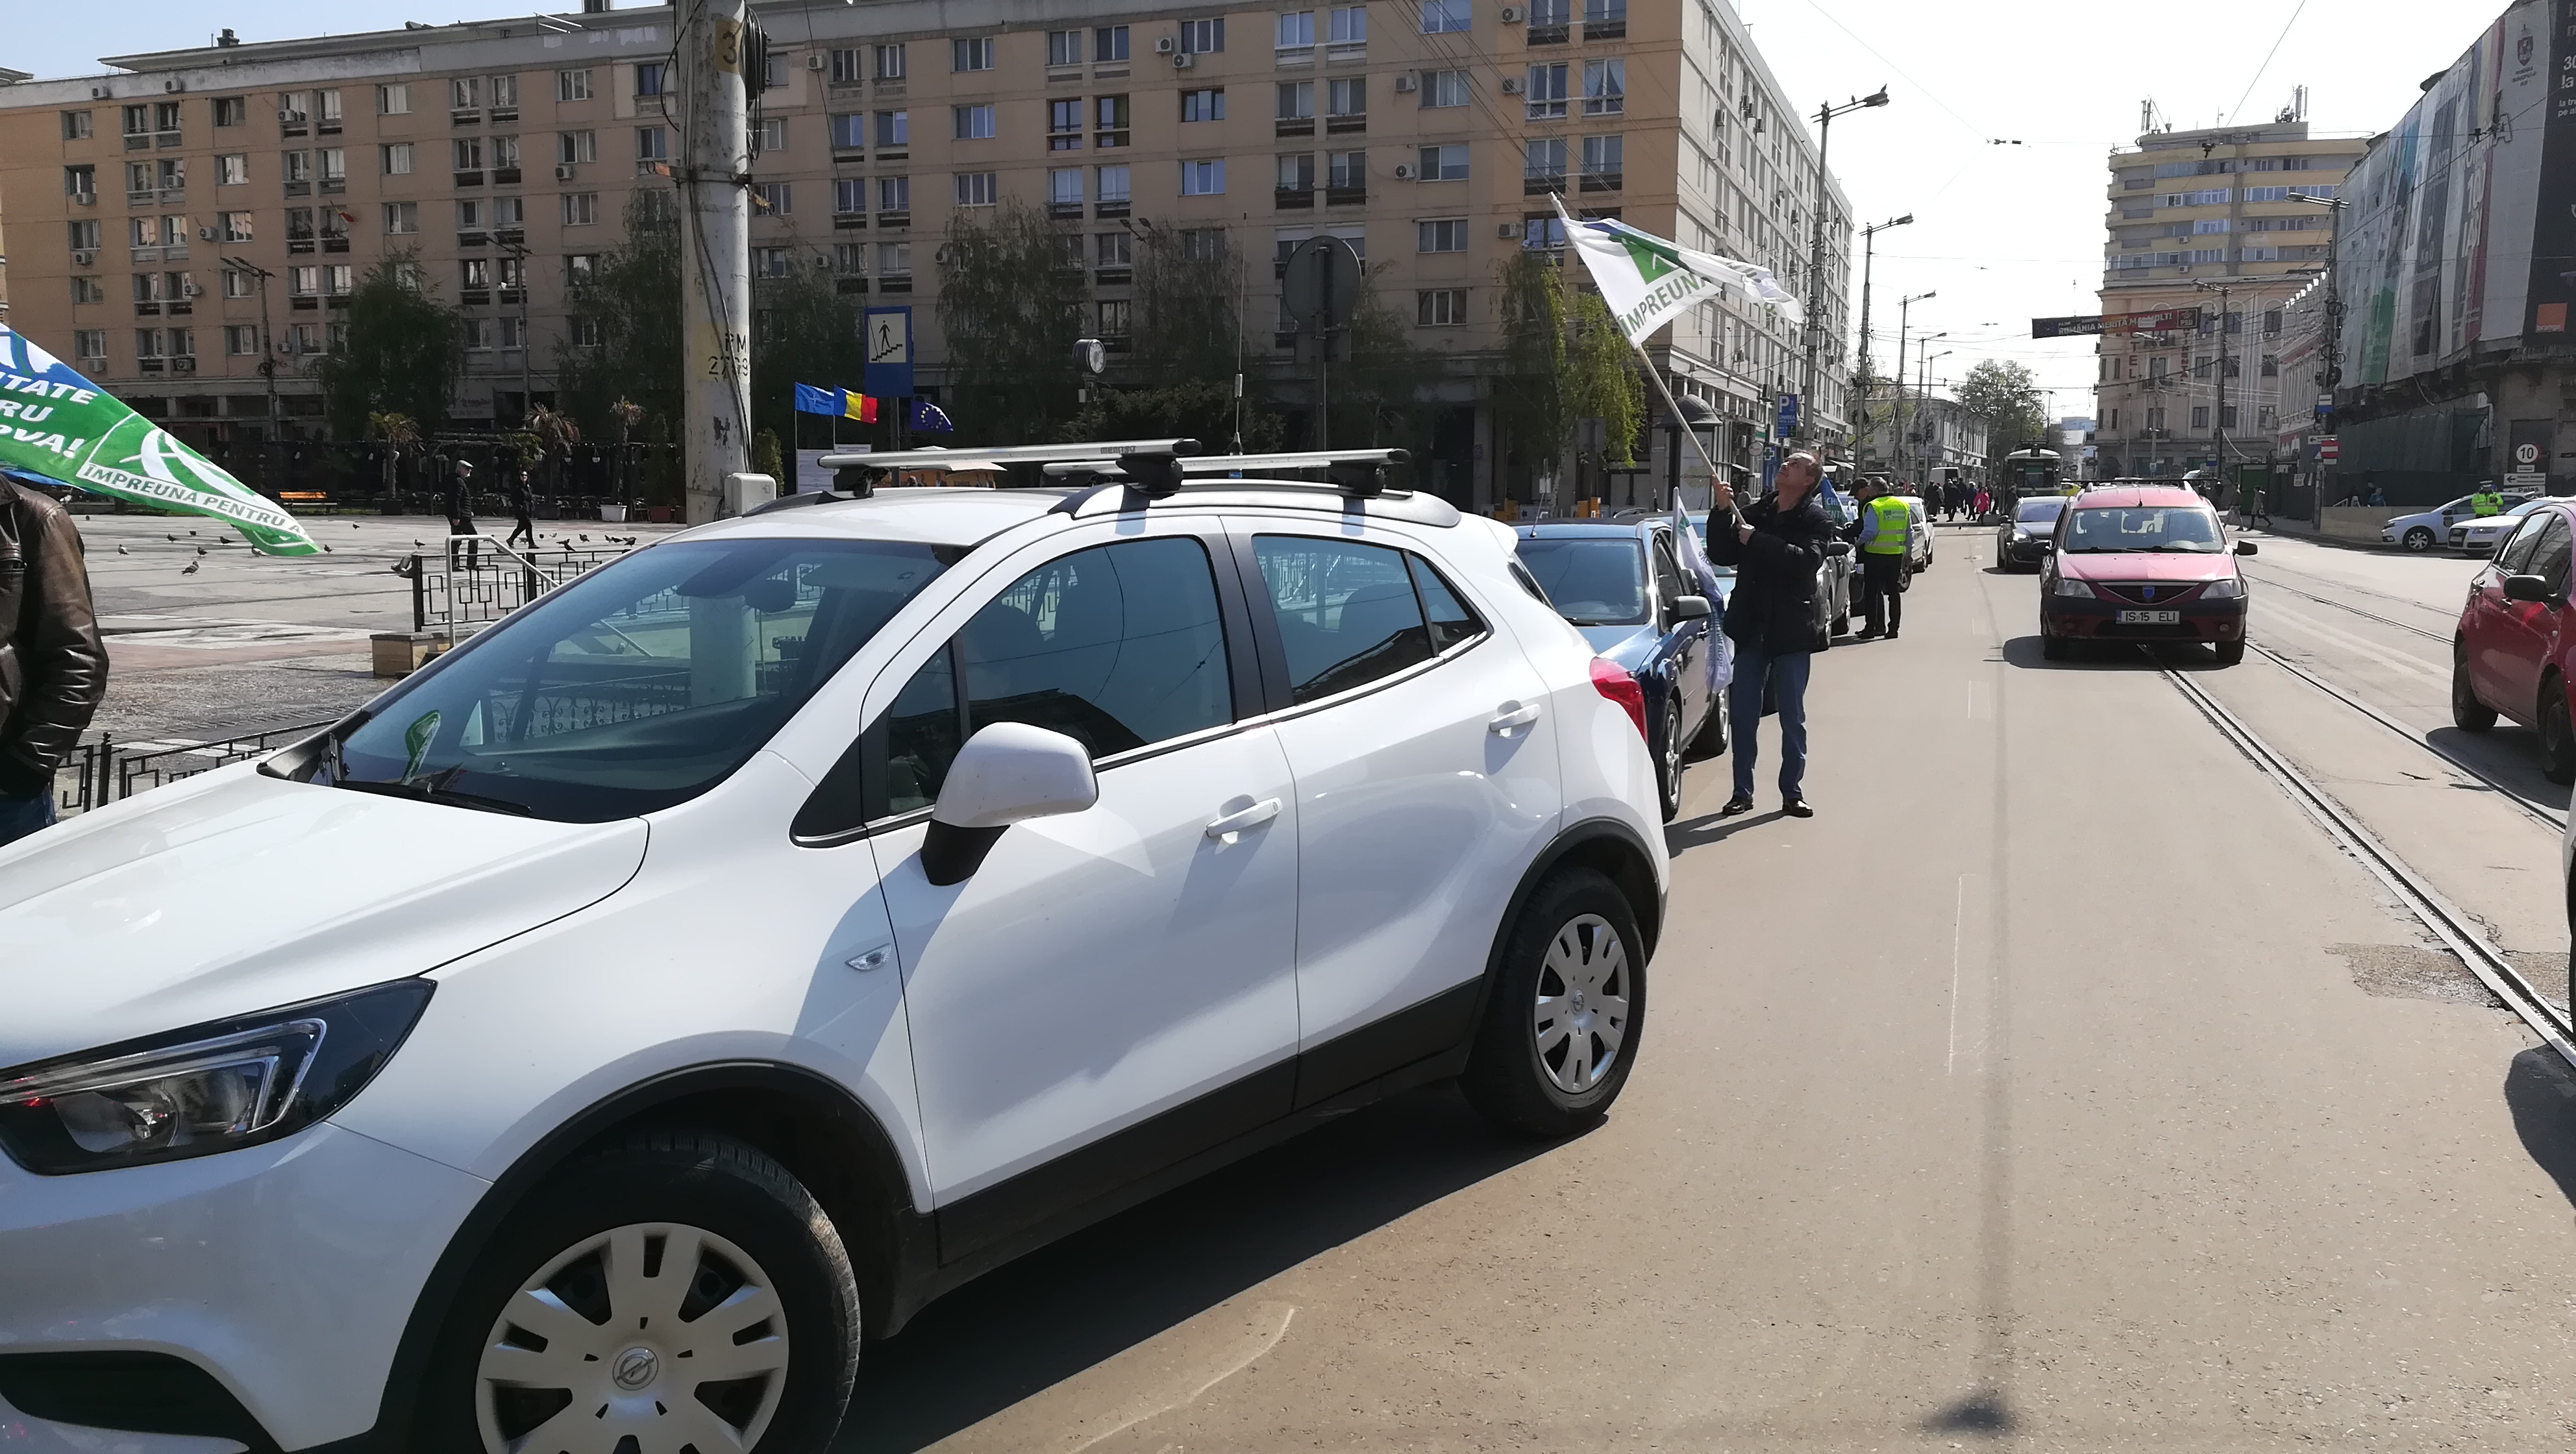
(2245, 547)
(1689, 608)
(2527, 588)
(1009, 772)
(1838, 547)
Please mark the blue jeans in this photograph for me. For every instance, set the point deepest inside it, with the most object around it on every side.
(1787, 672)
(22, 816)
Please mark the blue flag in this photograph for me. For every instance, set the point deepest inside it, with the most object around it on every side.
(929, 418)
(811, 400)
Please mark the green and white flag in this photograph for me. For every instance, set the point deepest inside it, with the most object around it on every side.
(1649, 280)
(60, 426)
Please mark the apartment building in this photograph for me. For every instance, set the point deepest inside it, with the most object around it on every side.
(198, 216)
(2214, 220)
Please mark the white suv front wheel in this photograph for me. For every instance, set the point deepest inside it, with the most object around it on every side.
(679, 1290)
(1561, 1028)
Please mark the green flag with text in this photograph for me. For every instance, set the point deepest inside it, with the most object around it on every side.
(1648, 280)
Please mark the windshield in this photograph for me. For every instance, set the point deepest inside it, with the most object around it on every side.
(641, 686)
(2152, 527)
(2039, 512)
(1596, 582)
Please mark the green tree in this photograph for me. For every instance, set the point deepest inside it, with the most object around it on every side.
(395, 433)
(1187, 325)
(402, 356)
(2004, 394)
(764, 457)
(631, 305)
(1010, 303)
(1564, 361)
(805, 332)
(1202, 410)
(1602, 381)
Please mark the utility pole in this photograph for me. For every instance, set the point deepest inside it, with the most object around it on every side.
(1868, 365)
(713, 40)
(1816, 250)
(2218, 420)
(267, 345)
(1904, 311)
(518, 253)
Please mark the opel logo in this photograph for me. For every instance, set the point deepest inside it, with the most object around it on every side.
(635, 1368)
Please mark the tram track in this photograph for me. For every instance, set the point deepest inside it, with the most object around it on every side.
(2265, 579)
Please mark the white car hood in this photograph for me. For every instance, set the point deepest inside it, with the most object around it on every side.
(233, 892)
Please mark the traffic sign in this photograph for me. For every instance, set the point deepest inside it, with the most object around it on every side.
(2328, 450)
(2526, 455)
(1788, 420)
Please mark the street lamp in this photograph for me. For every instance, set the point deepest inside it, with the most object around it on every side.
(1923, 388)
(1920, 346)
(1904, 310)
(1868, 254)
(1816, 240)
(1695, 416)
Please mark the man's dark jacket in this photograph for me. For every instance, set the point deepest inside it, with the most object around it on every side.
(1773, 607)
(53, 667)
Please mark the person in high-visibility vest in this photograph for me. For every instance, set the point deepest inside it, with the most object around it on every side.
(1885, 536)
(2486, 501)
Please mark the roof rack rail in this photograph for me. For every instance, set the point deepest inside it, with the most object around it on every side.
(936, 457)
(1354, 471)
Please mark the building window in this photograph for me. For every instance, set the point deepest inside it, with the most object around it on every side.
(580, 209)
(847, 69)
(1297, 173)
(402, 217)
(774, 199)
(2200, 416)
(76, 128)
(87, 290)
(894, 128)
(575, 147)
(976, 189)
(474, 272)
(1598, 13)
(1348, 171)
(773, 133)
(1347, 25)
(395, 157)
(649, 76)
(1605, 88)
(1109, 43)
(1447, 163)
(1064, 188)
(1112, 114)
(1202, 37)
(652, 144)
(1543, 160)
(305, 338)
(509, 213)
(1446, 234)
(849, 196)
(769, 262)
(1346, 96)
(84, 235)
(888, 62)
(894, 194)
(80, 181)
(849, 130)
(894, 258)
(1444, 88)
(241, 340)
(1440, 307)
(90, 343)
(973, 123)
(1440, 17)
(572, 85)
(1114, 249)
(1064, 124)
(1203, 177)
(231, 110)
(972, 55)
(1546, 92)
(474, 333)
(1297, 30)
(1602, 158)
(1204, 105)
(1110, 184)
(849, 259)
(1064, 47)
(1297, 101)
(1543, 233)
(232, 169)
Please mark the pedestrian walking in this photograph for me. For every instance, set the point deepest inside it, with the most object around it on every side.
(1776, 546)
(460, 514)
(1884, 534)
(53, 666)
(2251, 493)
(1984, 501)
(523, 504)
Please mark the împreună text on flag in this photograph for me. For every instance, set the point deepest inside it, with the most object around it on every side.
(1648, 280)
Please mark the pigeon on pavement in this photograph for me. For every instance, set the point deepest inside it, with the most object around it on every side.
(201, 550)
(192, 568)
(121, 550)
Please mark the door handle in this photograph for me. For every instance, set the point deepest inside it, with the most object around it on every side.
(1511, 716)
(1252, 817)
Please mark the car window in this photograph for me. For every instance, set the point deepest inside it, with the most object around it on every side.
(639, 686)
(1452, 619)
(2143, 527)
(1668, 573)
(1594, 581)
(1346, 611)
(2549, 556)
(2516, 551)
(2032, 512)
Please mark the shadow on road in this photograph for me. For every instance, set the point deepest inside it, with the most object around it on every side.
(2541, 1093)
(2025, 652)
(1059, 1311)
(1689, 833)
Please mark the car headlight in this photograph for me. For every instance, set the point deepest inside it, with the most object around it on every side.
(2068, 586)
(208, 1088)
(2230, 589)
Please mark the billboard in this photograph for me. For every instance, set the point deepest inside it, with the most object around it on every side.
(2162, 320)
(2440, 234)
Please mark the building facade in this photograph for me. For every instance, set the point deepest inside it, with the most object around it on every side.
(189, 227)
(2214, 220)
(1912, 434)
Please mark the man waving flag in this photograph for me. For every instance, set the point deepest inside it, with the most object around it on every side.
(60, 427)
(1648, 280)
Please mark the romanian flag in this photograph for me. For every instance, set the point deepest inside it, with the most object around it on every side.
(840, 403)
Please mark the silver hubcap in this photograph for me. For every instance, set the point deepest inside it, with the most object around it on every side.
(1582, 1012)
(664, 1334)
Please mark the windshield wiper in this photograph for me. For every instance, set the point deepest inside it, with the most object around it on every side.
(424, 793)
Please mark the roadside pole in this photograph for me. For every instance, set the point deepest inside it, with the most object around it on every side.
(715, 249)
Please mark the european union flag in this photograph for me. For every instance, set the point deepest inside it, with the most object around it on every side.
(929, 418)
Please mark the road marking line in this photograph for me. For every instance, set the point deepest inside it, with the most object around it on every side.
(1958, 916)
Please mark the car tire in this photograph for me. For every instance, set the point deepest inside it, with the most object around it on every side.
(593, 1242)
(2417, 540)
(1710, 740)
(1668, 757)
(2230, 652)
(1573, 950)
(2557, 733)
(2467, 712)
(2052, 647)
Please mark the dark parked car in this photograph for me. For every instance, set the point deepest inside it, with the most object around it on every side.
(1622, 585)
(2025, 539)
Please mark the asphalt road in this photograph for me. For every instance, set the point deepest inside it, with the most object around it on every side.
(2060, 1086)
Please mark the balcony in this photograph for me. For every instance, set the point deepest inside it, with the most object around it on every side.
(474, 298)
(1605, 30)
(338, 300)
(1345, 125)
(901, 153)
(1117, 277)
(469, 179)
(171, 194)
(293, 125)
(299, 244)
(1290, 198)
(1059, 74)
(500, 114)
(510, 236)
(847, 286)
(299, 189)
(900, 218)
(1295, 55)
(1065, 211)
(501, 177)
(329, 126)
(473, 239)
(465, 116)
(1106, 140)
(510, 297)
(1601, 181)
(1550, 34)
(1296, 126)
(1346, 196)
(901, 284)
(1346, 53)
(307, 303)
(167, 139)
(147, 310)
(180, 306)
(139, 199)
(1105, 211)
(1539, 184)
(138, 141)
(334, 186)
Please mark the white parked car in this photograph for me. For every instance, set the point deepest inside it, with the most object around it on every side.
(2480, 535)
(593, 1040)
(2427, 528)
(1918, 534)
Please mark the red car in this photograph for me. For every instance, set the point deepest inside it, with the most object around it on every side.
(2517, 635)
(2142, 563)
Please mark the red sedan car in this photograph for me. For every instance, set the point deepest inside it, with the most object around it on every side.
(2142, 563)
(2517, 635)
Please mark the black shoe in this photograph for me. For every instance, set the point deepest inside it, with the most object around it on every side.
(1891, 635)
(1735, 806)
(1797, 808)
(1871, 633)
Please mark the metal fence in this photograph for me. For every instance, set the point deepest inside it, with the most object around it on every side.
(102, 770)
(476, 581)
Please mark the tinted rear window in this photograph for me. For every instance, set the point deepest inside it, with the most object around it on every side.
(2033, 512)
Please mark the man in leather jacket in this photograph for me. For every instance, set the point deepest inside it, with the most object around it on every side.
(1775, 546)
(53, 667)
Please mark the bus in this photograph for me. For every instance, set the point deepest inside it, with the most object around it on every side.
(2026, 472)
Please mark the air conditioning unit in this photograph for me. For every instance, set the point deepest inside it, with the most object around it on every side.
(1164, 44)
(183, 365)
(188, 289)
(84, 199)
(1507, 229)
(814, 62)
(289, 118)
(1404, 171)
(98, 93)
(205, 234)
(84, 258)
(174, 85)
(1404, 82)
(1511, 15)
(563, 174)
(1511, 85)
(1184, 62)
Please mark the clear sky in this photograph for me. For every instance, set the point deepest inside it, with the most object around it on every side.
(2002, 233)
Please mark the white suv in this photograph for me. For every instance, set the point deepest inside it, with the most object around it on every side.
(696, 973)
